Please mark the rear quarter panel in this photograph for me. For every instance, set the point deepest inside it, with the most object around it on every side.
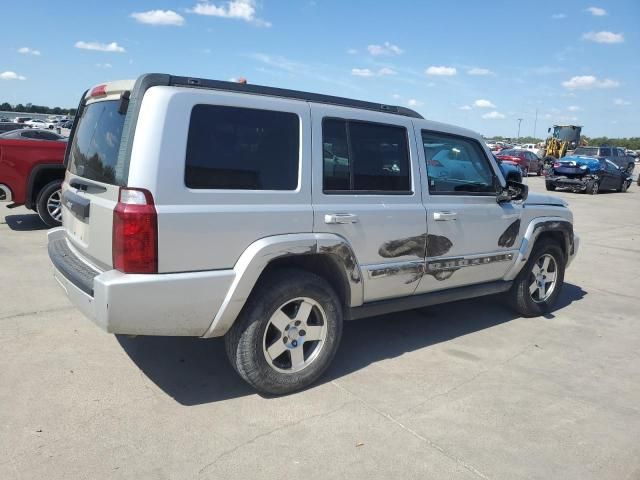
(18, 158)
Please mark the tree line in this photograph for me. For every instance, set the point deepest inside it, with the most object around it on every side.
(29, 108)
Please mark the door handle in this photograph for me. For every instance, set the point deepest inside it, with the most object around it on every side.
(340, 218)
(444, 216)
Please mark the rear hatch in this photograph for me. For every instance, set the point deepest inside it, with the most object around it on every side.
(96, 170)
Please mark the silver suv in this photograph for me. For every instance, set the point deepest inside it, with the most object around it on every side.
(269, 216)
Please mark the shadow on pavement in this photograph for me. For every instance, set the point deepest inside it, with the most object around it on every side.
(195, 371)
(25, 223)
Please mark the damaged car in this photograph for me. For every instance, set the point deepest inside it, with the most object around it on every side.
(587, 174)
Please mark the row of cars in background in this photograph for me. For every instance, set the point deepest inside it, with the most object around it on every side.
(51, 123)
(587, 169)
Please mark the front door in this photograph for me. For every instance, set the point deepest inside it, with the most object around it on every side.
(471, 238)
(366, 188)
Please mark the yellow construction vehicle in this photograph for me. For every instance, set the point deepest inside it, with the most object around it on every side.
(563, 139)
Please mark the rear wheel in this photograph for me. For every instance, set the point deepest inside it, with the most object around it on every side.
(538, 285)
(550, 186)
(625, 185)
(288, 332)
(593, 187)
(49, 204)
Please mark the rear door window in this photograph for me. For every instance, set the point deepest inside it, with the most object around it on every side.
(242, 149)
(96, 142)
(365, 157)
(605, 152)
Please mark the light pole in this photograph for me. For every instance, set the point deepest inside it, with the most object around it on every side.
(535, 124)
(519, 122)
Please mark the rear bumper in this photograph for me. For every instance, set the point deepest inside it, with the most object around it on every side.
(175, 304)
(565, 182)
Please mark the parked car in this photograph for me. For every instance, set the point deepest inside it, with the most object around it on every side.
(21, 119)
(31, 172)
(66, 124)
(587, 174)
(268, 216)
(510, 170)
(36, 123)
(4, 119)
(528, 161)
(615, 154)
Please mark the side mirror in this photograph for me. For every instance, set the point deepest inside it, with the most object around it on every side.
(513, 192)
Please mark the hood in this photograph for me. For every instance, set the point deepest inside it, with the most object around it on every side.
(580, 160)
(542, 199)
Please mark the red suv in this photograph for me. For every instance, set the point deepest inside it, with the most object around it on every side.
(32, 170)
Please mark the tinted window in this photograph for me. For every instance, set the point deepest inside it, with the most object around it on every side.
(48, 136)
(456, 165)
(605, 152)
(29, 134)
(242, 148)
(586, 151)
(94, 152)
(362, 156)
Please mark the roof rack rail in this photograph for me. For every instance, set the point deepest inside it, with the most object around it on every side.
(285, 93)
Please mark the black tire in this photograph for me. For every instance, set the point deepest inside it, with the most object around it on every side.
(593, 187)
(550, 186)
(624, 186)
(244, 341)
(45, 196)
(520, 297)
(540, 168)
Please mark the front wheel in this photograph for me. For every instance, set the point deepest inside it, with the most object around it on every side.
(550, 186)
(538, 285)
(287, 333)
(49, 204)
(625, 185)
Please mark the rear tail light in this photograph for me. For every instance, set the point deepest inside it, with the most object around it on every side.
(98, 91)
(135, 232)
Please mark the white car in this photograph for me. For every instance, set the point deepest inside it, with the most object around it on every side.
(268, 217)
(36, 123)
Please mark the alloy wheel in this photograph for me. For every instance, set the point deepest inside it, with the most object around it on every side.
(543, 278)
(54, 205)
(295, 335)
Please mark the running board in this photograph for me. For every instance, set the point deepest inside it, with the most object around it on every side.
(393, 305)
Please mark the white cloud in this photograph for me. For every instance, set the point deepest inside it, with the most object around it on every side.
(384, 49)
(352, 51)
(586, 82)
(596, 11)
(366, 72)
(441, 71)
(621, 102)
(159, 17)
(29, 51)
(237, 9)
(362, 72)
(604, 37)
(104, 65)
(465, 107)
(558, 16)
(412, 102)
(482, 103)
(493, 115)
(574, 108)
(11, 76)
(480, 71)
(386, 71)
(101, 47)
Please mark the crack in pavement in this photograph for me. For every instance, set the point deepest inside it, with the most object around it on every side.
(35, 312)
(266, 434)
(429, 442)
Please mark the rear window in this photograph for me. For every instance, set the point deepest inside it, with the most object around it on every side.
(586, 151)
(96, 142)
(242, 149)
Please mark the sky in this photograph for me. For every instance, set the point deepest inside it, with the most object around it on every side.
(477, 64)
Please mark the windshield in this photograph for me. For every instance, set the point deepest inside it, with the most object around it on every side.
(591, 151)
(96, 142)
(570, 134)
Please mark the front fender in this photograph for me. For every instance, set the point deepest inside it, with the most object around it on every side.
(259, 254)
(534, 229)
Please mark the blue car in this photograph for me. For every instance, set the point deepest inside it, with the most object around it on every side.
(583, 173)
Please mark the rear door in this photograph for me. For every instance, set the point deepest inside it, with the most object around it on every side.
(94, 176)
(366, 188)
(471, 238)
